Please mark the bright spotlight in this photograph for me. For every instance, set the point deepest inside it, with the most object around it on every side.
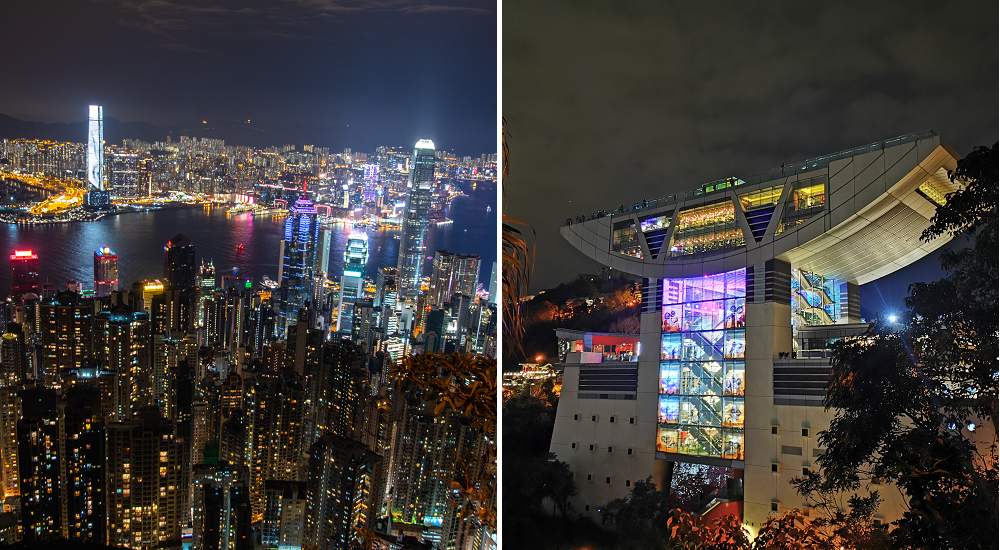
(893, 318)
(971, 426)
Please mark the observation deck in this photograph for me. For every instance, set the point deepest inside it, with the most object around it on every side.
(856, 215)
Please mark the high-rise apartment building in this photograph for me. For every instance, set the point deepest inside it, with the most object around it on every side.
(38, 459)
(123, 343)
(179, 267)
(284, 514)
(298, 262)
(12, 374)
(221, 517)
(424, 453)
(352, 282)
(453, 274)
(144, 482)
(24, 277)
(62, 463)
(124, 177)
(276, 408)
(741, 280)
(66, 330)
(415, 220)
(340, 480)
(105, 271)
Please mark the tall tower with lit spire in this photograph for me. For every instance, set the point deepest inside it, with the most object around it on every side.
(415, 219)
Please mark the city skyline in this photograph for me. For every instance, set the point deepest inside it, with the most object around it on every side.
(175, 78)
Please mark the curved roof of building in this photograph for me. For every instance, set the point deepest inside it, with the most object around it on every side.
(856, 215)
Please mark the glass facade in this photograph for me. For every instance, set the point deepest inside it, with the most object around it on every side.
(815, 299)
(807, 198)
(659, 221)
(706, 228)
(625, 239)
(761, 197)
(702, 367)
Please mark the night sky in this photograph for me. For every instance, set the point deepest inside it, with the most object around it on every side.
(608, 103)
(366, 72)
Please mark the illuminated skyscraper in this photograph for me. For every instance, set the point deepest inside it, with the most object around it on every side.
(352, 283)
(493, 285)
(415, 220)
(105, 271)
(95, 148)
(179, 267)
(298, 262)
(371, 183)
(24, 276)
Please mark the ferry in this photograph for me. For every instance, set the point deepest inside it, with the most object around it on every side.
(239, 247)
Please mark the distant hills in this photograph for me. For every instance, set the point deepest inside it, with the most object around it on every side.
(236, 133)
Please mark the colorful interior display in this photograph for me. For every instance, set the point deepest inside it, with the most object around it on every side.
(702, 366)
(654, 223)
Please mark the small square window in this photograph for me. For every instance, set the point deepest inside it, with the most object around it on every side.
(805, 471)
(591, 447)
(576, 417)
(590, 477)
(774, 466)
(612, 419)
(610, 448)
(630, 451)
(586, 507)
(631, 420)
(607, 480)
(593, 418)
(628, 482)
(573, 445)
(774, 506)
(805, 432)
(774, 430)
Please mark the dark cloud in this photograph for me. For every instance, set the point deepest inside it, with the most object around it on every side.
(615, 102)
(371, 72)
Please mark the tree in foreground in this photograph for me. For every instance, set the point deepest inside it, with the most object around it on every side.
(916, 401)
(465, 386)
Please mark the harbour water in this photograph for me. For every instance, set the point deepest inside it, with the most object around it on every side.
(66, 250)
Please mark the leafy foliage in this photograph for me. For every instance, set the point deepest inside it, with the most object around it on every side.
(464, 385)
(906, 395)
(517, 263)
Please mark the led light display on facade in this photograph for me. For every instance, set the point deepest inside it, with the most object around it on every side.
(95, 147)
(702, 368)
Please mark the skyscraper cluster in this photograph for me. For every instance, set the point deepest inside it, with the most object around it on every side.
(204, 410)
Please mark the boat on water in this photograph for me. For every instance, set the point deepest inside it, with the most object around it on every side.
(239, 247)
